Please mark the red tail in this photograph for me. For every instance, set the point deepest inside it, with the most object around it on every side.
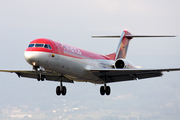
(122, 48)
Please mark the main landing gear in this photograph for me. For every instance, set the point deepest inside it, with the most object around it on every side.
(105, 90)
(61, 89)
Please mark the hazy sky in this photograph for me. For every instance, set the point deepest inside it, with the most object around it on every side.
(73, 22)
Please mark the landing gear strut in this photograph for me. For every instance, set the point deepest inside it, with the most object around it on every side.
(105, 90)
(61, 89)
(40, 77)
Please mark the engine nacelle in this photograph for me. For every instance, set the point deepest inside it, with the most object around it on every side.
(123, 64)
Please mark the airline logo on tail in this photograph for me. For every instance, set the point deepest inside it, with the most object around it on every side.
(122, 48)
(125, 38)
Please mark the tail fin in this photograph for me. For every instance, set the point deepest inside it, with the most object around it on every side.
(122, 48)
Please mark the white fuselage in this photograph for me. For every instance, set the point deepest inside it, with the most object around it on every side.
(72, 68)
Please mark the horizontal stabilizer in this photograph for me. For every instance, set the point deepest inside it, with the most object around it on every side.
(133, 36)
(105, 36)
(150, 35)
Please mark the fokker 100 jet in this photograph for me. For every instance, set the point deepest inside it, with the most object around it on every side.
(55, 61)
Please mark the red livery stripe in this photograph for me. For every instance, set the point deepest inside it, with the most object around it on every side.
(66, 50)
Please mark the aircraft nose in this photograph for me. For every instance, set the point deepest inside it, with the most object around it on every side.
(32, 57)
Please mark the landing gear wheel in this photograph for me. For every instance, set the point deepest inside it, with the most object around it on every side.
(102, 91)
(61, 89)
(42, 78)
(38, 79)
(64, 90)
(108, 90)
(58, 92)
(105, 89)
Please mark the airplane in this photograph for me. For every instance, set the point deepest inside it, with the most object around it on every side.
(55, 61)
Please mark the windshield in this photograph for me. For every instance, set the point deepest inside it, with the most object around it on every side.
(40, 45)
(31, 45)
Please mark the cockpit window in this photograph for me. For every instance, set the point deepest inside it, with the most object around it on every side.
(31, 45)
(46, 46)
(40, 45)
(49, 46)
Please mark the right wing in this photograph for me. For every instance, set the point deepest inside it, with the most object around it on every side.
(117, 75)
(35, 74)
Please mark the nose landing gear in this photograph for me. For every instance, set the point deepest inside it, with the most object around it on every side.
(40, 77)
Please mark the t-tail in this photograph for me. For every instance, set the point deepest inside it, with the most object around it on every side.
(125, 38)
(122, 48)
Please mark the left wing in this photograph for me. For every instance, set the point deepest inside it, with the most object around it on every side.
(117, 75)
(35, 74)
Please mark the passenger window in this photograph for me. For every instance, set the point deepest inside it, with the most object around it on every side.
(31, 45)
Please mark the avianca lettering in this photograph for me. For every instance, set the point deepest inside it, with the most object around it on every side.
(72, 49)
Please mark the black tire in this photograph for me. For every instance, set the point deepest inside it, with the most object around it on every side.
(64, 90)
(58, 92)
(38, 79)
(108, 90)
(42, 78)
(102, 91)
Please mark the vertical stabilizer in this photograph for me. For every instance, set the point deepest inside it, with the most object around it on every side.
(122, 48)
(125, 38)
